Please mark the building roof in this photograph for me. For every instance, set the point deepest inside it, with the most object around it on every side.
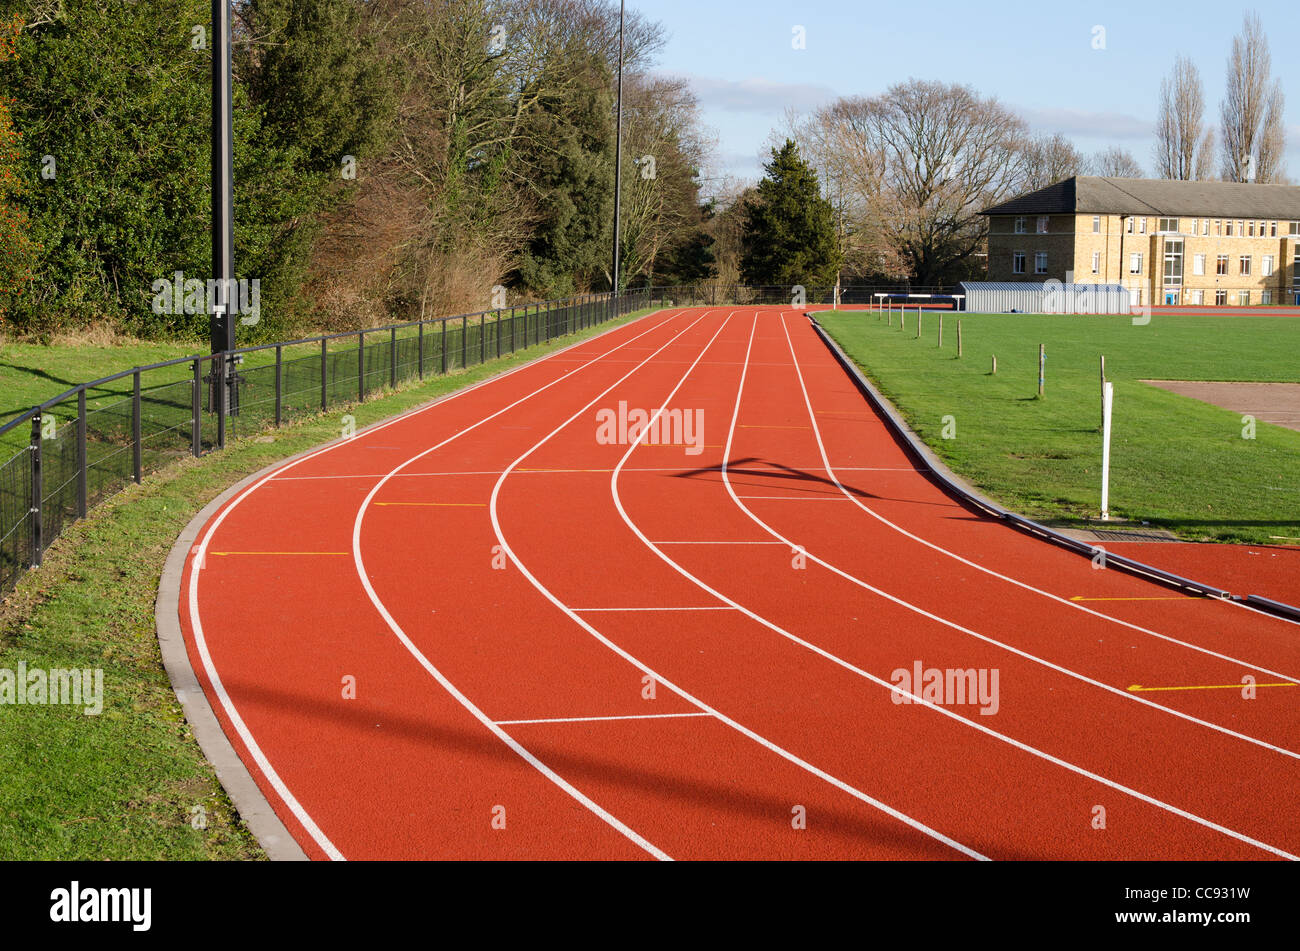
(1087, 194)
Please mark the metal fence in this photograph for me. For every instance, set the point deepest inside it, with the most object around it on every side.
(61, 458)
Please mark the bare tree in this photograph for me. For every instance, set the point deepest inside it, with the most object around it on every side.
(922, 160)
(1114, 162)
(1180, 136)
(1049, 159)
(1251, 110)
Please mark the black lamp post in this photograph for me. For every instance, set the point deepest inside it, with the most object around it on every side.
(222, 324)
(618, 149)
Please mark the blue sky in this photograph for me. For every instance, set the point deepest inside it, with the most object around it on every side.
(1037, 58)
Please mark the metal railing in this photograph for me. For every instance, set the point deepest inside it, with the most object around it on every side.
(66, 455)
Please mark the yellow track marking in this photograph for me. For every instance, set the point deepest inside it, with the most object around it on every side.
(1179, 597)
(479, 505)
(1138, 688)
(278, 553)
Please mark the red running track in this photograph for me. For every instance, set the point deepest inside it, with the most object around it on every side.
(692, 643)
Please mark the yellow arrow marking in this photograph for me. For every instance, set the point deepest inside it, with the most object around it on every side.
(1138, 688)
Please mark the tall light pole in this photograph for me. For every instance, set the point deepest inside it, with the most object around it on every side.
(222, 323)
(618, 149)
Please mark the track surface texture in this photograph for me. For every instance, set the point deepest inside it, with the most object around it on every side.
(519, 624)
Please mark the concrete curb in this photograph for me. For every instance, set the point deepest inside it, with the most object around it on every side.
(253, 807)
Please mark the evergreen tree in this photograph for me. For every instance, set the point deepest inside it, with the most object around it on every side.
(789, 229)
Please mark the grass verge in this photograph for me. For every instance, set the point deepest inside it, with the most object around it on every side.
(130, 782)
(1176, 463)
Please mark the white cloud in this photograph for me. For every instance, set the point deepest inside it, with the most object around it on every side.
(1105, 125)
(755, 95)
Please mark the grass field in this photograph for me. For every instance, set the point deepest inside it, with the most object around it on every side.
(1176, 463)
(126, 784)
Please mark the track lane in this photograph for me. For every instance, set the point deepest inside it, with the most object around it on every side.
(694, 515)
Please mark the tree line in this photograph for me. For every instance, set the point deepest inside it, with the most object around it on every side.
(394, 159)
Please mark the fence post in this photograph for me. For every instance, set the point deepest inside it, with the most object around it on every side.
(392, 358)
(279, 384)
(444, 346)
(464, 342)
(137, 432)
(419, 366)
(482, 338)
(1042, 361)
(324, 374)
(81, 453)
(219, 366)
(361, 365)
(196, 401)
(38, 542)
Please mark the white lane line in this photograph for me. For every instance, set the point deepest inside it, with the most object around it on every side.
(638, 716)
(659, 678)
(794, 498)
(1083, 678)
(438, 675)
(762, 541)
(944, 711)
(197, 558)
(720, 607)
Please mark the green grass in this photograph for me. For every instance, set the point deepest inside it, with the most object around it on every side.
(122, 785)
(1176, 462)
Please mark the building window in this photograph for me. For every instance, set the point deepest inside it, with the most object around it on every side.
(1096, 224)
(1040, 262)
(1020, 226)
(1205, 227)
(1218, 228)
(1229, 233)
(1243, 265)
(1243, 298)
(1170, 225)
(1220, 298)
(1266, 297)
(1096, 262)
(1142, 226)
(1251, 227)
(1241, 229)
(1198, 264)
(1295, 227)
(1130, 225)
(1221, 264)
(1042, 224)
(1135, 263)
(1267, 269)
(1272, 229)
(1018, 262)
(1295, 269)
(1196, 297)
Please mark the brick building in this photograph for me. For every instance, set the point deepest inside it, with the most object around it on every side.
(1168, 242)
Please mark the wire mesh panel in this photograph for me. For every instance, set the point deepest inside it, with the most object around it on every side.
(99, 437)
(15, 517)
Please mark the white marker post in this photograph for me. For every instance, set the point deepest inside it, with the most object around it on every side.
(1107, 410)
